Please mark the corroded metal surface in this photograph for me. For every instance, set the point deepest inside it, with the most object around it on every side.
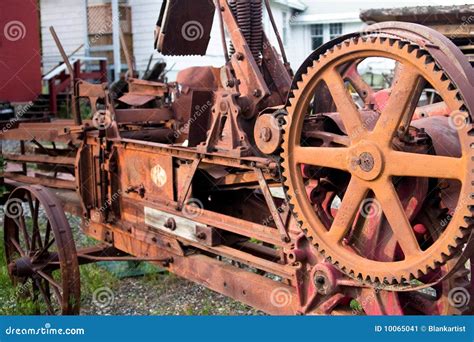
(188, 174)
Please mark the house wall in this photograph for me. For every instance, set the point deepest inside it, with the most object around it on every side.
(69, 20)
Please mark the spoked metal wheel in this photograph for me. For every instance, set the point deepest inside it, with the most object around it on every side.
(40, 251)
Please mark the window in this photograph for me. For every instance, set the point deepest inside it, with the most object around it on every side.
(285, 28)
(317, 35)
(335, 30)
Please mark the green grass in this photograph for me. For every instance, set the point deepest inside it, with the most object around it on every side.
(11, 298)
(16, 302)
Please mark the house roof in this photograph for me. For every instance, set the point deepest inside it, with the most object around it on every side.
(296, 4)
(421, 14)
(344, 17)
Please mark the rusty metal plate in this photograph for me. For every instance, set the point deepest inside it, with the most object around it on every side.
(153, 173)
(181, 31)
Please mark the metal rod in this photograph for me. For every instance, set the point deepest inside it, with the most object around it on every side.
(222, 29)
(74, 104)
(69, 56)
(62, 52)
(96, 258)
(116, 38)
(126, 52)
(277, 33)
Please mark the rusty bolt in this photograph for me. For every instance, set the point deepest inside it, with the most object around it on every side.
(266, 134)
(170, 224)
(240, 56)
(201, 236)
(257, 93)
(230, 83)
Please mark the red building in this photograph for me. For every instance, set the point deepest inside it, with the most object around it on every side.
(20, 51)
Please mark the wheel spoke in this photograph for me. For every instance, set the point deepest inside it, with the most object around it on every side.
(353, 197)
(345, 105)
(401, 105)
(36, 238)
(45, 249)
(20, 222)
(46, 296)
(47, 233)
(392, 207)
(425, 165)
(18, 247)
(56, 287)
(332, 157)
(328, 137)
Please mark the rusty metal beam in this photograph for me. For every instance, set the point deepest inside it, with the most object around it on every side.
(45, 181)
(40, 159)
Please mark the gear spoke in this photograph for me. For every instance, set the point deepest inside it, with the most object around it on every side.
(401, 105)
(362, 88)
(332, 157)
(345, 105)
(424, 165)
(393, 209)
(351, 203)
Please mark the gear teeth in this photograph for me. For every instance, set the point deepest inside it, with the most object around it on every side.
(430, 66)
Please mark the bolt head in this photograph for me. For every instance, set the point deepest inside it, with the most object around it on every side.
(266, 134)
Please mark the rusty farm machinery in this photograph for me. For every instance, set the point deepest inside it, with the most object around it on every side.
(293, 192)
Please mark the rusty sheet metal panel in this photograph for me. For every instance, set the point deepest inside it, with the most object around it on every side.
(20, 55)
(146, 175)
(184, 27)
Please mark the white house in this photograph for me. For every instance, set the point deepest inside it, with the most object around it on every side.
(303, 24)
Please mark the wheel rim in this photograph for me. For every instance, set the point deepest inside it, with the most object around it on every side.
(40, 251)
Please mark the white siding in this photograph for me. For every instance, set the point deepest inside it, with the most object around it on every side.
(69, 20)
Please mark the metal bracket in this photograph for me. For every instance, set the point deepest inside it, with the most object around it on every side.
(183, 194)
(272, 206)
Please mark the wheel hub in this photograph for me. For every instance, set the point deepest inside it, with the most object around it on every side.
(22, 267)
(366, 161)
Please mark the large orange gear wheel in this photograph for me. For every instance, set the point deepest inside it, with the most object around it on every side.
(366, 152)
